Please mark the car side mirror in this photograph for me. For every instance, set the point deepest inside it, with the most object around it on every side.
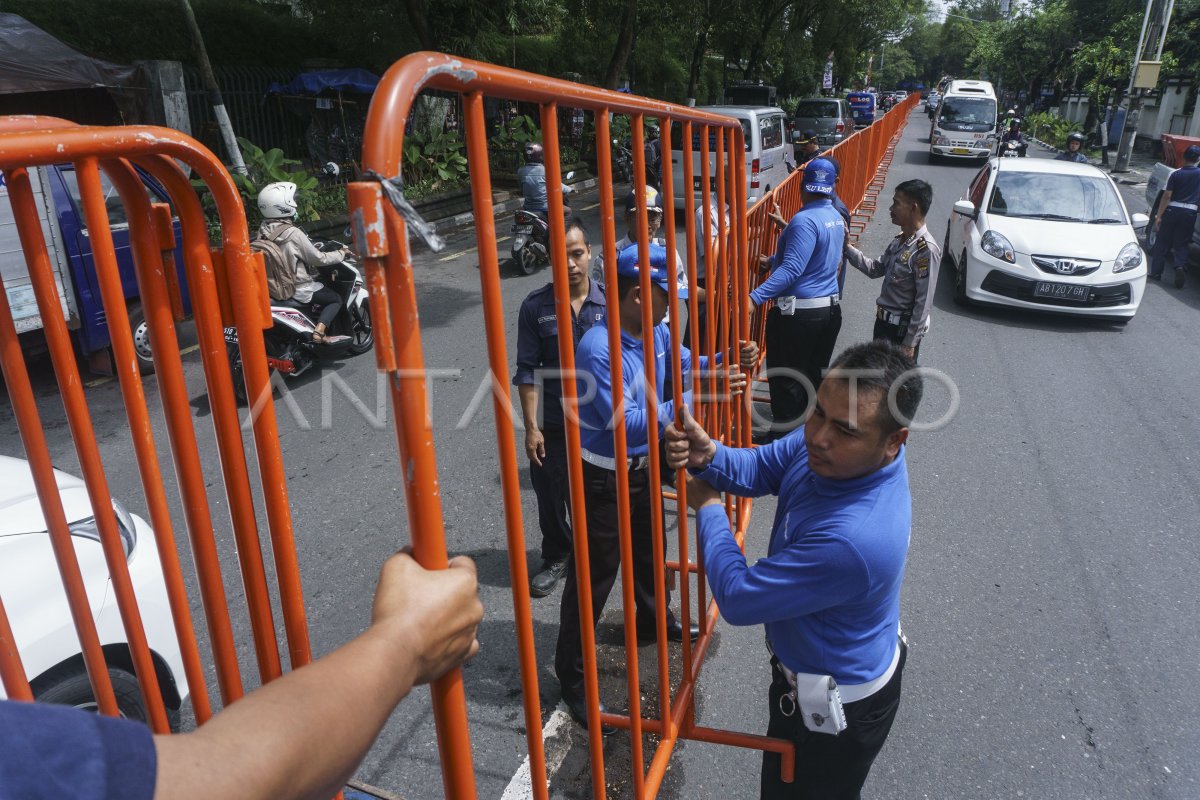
(965, 207)
(569, 175)
(1140, 221)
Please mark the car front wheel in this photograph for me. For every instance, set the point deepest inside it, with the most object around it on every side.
(72, 688)
(960, 281)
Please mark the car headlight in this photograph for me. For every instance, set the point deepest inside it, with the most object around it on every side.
(996, 246)
(89, 529)
(1129, 258)
(941, 141)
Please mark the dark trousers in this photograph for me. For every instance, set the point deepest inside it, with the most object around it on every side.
(830, 767)
(553, 490)
(895, 334)
(701, 323)
(1174, 235)
(330, 303)
(604, 553)
(798, 344)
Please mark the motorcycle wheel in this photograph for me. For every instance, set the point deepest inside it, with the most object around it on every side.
(362, 333)
(237, 372)
(527, 262)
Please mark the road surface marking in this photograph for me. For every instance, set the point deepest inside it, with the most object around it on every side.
(453, 256)
(589, 208)
(556, 742)
(187, 350)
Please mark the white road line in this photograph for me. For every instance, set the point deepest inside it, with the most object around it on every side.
(556, 742)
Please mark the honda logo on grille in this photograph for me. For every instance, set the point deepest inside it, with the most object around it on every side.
(1065, 265)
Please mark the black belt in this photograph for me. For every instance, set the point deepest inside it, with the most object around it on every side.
(889, 317)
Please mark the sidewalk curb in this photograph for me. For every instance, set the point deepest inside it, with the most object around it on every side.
(503, 207)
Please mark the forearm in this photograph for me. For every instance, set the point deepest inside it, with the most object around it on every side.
(528, 393)
(1163, 202)
(870, 267)
(300, 736)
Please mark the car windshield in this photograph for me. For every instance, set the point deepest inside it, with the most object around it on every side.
(1045, 195)
(969, 112)
(817, 108)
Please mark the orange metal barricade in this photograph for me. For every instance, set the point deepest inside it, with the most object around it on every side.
(227, 287)
(380, 217)
(223, 284)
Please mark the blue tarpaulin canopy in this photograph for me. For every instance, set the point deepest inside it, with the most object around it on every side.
(357, 81)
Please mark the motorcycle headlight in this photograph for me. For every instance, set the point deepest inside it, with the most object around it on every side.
(1129, 258)
(89, 529)
(996, 246)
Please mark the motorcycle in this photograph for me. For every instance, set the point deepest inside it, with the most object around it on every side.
(531, 237)
(290, 348)
(622, 159)
(1010, 150)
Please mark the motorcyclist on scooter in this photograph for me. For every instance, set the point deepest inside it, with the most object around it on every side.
(532, 177)
(1074, 151)
(277, 204)
(1014, 137)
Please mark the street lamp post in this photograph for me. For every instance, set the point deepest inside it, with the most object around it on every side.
(1161, 11)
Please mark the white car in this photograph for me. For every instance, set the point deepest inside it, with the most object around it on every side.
(1046, 235)
(36, 602)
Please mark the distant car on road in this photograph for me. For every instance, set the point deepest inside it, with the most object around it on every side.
(1046, 235)
(830, 117)
(862, 107)
(36, 602)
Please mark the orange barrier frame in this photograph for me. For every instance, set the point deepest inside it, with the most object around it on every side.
(226, 286)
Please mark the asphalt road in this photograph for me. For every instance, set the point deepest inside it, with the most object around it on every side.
(1050, 598)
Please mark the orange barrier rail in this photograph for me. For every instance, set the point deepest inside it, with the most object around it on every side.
(226, 285)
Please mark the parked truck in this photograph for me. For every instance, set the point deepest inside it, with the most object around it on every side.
(1173, 147)
(56, 192)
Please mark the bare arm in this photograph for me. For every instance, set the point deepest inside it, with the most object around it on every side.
(1163, 202)
(302, 736)
(535, 442)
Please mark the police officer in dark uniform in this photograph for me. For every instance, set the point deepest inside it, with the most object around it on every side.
(909, 268)
(538, 382)
(1176, 218)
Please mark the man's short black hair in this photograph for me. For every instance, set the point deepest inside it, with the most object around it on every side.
(574, 223)
(919, 191)
(624, 284)
(882, 365)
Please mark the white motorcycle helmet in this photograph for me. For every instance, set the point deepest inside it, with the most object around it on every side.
(278, 201)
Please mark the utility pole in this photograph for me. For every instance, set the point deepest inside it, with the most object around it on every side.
(1154, 26)
(214, 91)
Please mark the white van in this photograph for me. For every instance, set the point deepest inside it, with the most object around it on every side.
(765, 131)
(965, 124)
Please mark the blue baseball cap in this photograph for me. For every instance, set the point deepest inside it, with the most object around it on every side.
(1192, 153)
(660, 273)
(819, 176)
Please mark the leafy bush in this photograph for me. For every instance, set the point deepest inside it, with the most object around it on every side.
(1049, 128)
(435, 158)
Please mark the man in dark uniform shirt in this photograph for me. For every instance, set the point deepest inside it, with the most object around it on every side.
(1176, 218)
(538, 382)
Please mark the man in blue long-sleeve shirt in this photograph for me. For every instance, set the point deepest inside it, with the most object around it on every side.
(803, 325)
(828, 592)
(642, 408)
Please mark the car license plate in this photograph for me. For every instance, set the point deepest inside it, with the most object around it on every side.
(1062, 291)
(960, 151)
(712, 183)
(231, 335)
(523, 229)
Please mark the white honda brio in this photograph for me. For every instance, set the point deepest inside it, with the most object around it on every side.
(1046, 235)
(36, 602)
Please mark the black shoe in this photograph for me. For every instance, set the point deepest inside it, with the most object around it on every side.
(577, 708)
(1154, 277)
(1180, 277)
(547, 578)
(674, 633)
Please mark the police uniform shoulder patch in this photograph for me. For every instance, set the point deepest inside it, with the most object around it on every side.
(922, 243)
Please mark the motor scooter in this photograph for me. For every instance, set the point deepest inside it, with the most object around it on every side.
(531, 237)
(291, 350)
